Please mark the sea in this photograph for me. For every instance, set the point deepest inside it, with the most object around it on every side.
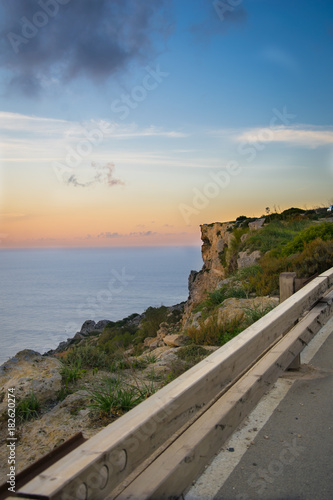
(47, 294)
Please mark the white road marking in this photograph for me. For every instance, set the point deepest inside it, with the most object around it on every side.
(216, 474)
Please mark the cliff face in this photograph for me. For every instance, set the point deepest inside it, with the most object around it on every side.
(216, 239)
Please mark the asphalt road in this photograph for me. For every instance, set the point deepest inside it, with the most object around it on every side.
(291, 457)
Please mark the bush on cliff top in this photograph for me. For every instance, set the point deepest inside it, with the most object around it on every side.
(324, 231)
(274, 235)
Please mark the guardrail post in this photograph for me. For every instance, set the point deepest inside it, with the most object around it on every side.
(288, 288)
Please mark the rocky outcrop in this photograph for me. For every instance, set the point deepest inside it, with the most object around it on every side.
(236, 308)
(38, 437)
(28, 372)
(89, 328)
(216, 241)
(257, 224)
(246, 259)
(216, 238)
(177, 340)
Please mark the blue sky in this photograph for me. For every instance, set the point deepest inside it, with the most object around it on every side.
(133, 122)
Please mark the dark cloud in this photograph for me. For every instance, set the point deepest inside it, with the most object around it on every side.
(217, 18)
(66, 39)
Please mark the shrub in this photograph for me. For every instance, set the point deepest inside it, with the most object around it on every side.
(253, 314)
(211, 332)
(117, 335)
(271, 236)
(316, 257)
(176, 369)
(116, 397)
(267, 282)
(221, 294)
(154, 316)
(234, 247)
(71, 372)
(192, 354)
(87, 356)
(323, 231)
(28, 408)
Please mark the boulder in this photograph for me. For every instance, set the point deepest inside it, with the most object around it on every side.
(236, 308)
(87, 327)
(168, 357)
(176, 340)
(148, 340)
(245, 259)
(156, 343)
(100, 325)
(257, 224)
(195, 319)
(28, 371)
(163, 330)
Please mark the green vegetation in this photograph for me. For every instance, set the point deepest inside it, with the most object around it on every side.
(71, 372)
(215, 331)
(192, 354)
(221, 294)
(87, 356)
(273, 236)
(28, 408)
(324, 231)
(118, 397)
(294, 240)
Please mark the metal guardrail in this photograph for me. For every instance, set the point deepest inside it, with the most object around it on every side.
(159, 447)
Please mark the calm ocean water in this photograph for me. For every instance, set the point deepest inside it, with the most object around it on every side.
(46, 295)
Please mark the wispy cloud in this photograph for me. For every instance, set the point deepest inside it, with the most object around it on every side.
(279, 57)
(12, 215)
(72, 130)
(30, 124)
(136, 234)
(308, 136)
(301, 135)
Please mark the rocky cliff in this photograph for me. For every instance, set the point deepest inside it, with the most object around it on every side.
(216, 239)
(216, 254)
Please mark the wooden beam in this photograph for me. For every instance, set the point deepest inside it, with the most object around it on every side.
(174, 471)
(287, 285)
(105, 460)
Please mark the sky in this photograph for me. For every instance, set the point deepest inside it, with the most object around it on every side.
(133, 122)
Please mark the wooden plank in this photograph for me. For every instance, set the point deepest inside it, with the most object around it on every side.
(173, 472)
(105, 460)
(287, 285)
(43, 463)
(329, 275)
